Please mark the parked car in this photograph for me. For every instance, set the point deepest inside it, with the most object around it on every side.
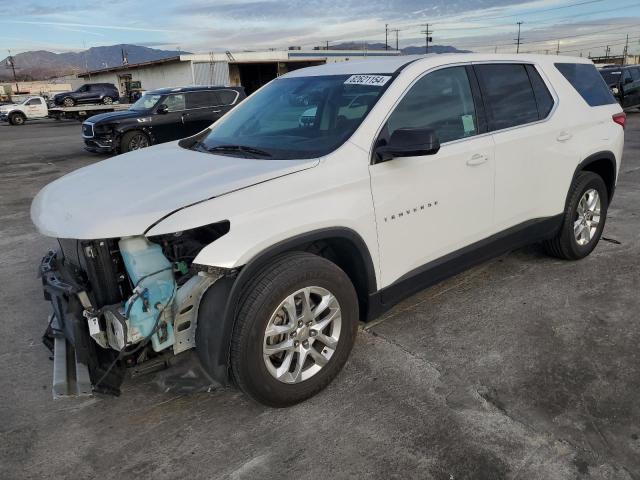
(262, 241)
(624, 83)
(106, 93)
(159, 116)
(29, 109)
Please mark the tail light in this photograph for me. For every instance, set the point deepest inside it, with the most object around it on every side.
(620, 119)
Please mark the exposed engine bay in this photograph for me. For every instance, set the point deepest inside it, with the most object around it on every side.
(123, 302)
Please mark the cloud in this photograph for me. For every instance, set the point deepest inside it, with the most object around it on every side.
(88, 25)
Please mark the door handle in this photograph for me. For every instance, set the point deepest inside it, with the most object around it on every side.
(564, 136)
(216, 111)
(477, 159)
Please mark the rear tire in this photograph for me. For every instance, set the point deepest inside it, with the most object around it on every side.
(583, 220)
(17, 119)
(134, 140)
(282, 369)
(68, 102)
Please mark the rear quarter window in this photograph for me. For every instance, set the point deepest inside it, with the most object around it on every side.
(586, 80)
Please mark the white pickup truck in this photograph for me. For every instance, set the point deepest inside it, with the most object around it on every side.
(35, 107)
(30, 108)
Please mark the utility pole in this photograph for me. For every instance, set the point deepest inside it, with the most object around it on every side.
(427, 37)
(327, 47)
(386, 36)
(518, 39)
(495, 50)
(606, 51)
(396, 30)
(558, 48)
(626, 48)
(12, 62)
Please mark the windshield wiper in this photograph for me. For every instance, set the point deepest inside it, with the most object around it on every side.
(239, 148)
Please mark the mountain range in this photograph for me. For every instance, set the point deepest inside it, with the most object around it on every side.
(411, 50)
(41, 64)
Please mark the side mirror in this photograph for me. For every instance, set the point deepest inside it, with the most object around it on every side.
(408, 142)
(628, 80)
(162, 109)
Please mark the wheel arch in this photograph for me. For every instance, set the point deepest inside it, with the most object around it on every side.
(603, 164)
(341, 245)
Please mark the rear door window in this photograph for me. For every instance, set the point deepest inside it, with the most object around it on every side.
(509, 97)
(202, 99)
(588, 83)
(544, 99)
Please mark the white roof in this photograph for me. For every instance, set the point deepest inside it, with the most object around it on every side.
(392, 64)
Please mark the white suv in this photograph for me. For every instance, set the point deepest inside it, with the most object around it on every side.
(324, 198)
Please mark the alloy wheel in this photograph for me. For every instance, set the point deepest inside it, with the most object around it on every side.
(302, 334)
(587, 217)
(138, 141)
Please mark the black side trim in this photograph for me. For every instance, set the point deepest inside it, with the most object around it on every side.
(229, 290)
(478, 100)
(433, 272)
(583, 165)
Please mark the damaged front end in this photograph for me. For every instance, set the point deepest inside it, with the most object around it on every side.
(122, 303)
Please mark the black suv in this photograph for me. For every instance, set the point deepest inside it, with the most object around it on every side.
(159, 116)
(105, 93)
(624, 82)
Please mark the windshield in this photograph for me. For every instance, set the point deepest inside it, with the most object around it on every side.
(296, 118)
(611, 77)
(146, 102)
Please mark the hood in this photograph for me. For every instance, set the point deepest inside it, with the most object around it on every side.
(117, 116)
(126, 194)
(61, 94)
(9, 106)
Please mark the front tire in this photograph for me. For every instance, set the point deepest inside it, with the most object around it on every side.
(17, 119)
(107, 100)
(134, 140)
(68, 102)
(583, 220)
(295, 328)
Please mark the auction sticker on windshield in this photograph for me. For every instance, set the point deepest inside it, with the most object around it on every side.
(376, 80)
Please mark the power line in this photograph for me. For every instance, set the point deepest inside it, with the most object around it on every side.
(427, 37)
(386, 36)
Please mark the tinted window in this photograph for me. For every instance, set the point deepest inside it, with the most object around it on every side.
(34, 101)
(442, 101)
(588, 83)
(227, 97)
(612, 77)
(174, 103)
(202, 99)
(544, 100)
(635, 74)
(626, 76)
(508, 95)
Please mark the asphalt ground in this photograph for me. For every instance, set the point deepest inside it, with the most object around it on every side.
(525, 367)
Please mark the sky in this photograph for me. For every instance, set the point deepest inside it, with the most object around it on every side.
(572, 26)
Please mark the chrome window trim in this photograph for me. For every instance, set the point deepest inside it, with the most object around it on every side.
(545, 79)
(210, 106)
